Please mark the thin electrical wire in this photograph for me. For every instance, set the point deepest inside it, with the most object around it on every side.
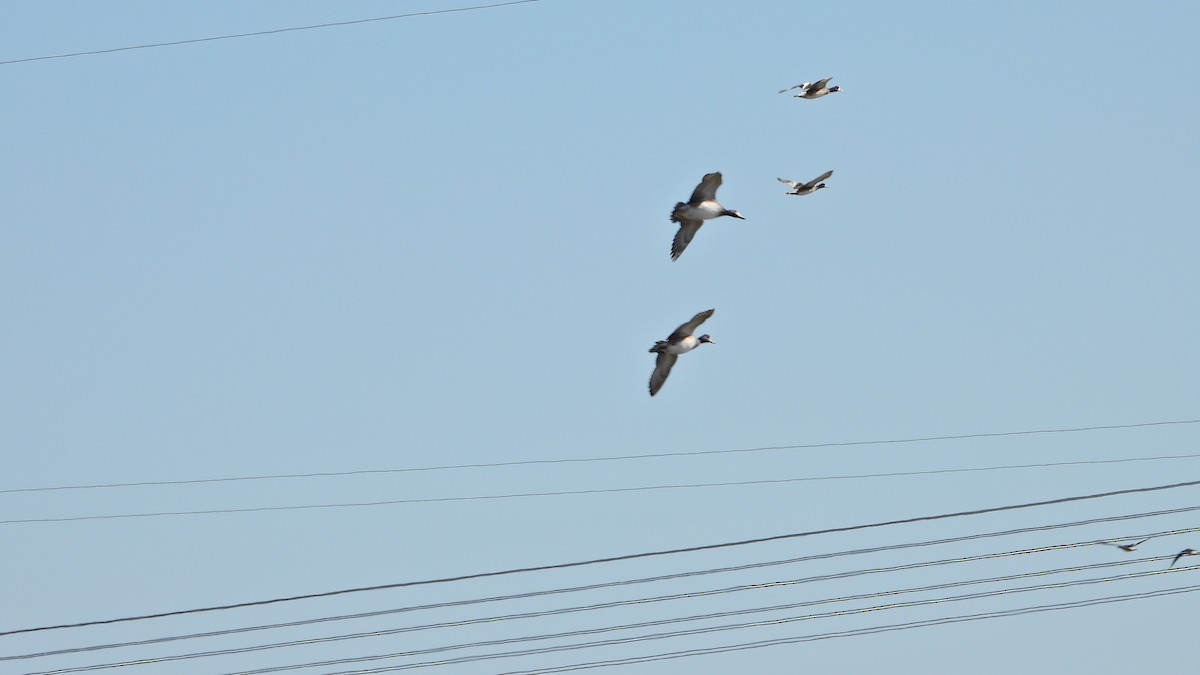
(665, 635)
(667, 577)
(563, 493)
(640, 601)
(263, 32)
(857, 632)
(644, 580)
(616, 458)
(629, 556)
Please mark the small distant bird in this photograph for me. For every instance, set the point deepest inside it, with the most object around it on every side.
(679, 342)
(806, 188)
(701, 207)
(814, 90)
(1186, 551)
(1130, 548)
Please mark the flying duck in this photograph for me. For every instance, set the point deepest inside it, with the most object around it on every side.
(806, 188)
(1128, 548)
(1186, 551)
(815, 90)
(701, 207)
(679, 342)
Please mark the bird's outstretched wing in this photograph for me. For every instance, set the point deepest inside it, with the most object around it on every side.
(790, 183)
(802, 85)
(707, 189)
(691, 326)
(687, 230)
(818, 179)
(1186, 551)
(820, 84)
(662, 368)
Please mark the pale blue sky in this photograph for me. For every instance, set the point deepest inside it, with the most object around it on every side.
(445, 240)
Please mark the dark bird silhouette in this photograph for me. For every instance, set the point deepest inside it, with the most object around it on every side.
(1186, 551)
(1127, 547)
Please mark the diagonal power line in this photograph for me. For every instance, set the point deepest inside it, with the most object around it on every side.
(457, 623)
(1020, 611)
(617, 558)
(592, 491)
(618, 458)
(670, 621)
(263, 32)
(678, 575)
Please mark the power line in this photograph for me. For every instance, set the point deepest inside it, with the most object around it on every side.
(674, 576)
(263, 32)
(665, 635)
(629, 556)
(643, 601)
(857, 632)
(619, 458)
(564, 493)
(682, 575)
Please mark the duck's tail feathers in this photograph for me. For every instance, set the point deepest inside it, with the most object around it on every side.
(675, 211)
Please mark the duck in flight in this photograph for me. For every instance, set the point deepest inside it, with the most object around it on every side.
(701, 207)
(814, 89)
(808, 188)
(679, 342)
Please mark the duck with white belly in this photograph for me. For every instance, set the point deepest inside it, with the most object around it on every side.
(680, 342)
(701, 207)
